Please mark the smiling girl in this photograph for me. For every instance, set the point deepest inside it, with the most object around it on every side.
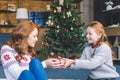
(97, 56)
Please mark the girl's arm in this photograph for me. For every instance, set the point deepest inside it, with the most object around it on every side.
(101, 56)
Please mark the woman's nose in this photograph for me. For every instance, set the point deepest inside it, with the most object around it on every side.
(36, 39)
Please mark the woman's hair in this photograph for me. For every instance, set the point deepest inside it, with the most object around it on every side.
(99, 29)
(19, 36)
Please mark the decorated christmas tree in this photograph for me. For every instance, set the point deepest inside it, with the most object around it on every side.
(65, 32)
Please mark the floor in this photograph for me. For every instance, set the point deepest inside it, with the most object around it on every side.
(63, 74)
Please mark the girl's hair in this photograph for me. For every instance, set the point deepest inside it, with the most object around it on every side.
(99, 29)
(19, 37)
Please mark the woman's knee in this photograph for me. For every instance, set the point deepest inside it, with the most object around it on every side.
(26, 75)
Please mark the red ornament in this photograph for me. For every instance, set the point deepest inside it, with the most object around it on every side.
(67, 6)
(46, 55)
(59, 12)
(64, 24)
(57, 22)
(76, 24)
(53, 48)
(79, 16)
(54, 2)
(51, 11)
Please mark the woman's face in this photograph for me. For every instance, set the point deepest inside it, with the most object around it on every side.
(92, 36)
(33, 38)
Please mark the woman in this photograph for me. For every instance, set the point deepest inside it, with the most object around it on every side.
(18, 55)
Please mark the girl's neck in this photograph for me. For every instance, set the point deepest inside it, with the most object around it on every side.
(94, 45)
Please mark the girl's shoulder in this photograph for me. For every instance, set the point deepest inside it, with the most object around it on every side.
(104, 45)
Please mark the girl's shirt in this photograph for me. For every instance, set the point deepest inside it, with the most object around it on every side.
(99, 62)
(12, 67)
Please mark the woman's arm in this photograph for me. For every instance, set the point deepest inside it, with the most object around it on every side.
(53, 63)
(10, 63)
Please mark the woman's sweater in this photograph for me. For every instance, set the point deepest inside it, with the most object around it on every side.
(12, 67)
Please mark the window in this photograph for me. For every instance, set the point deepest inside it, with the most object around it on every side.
(39, 18)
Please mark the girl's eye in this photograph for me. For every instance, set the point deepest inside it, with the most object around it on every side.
(90, 33)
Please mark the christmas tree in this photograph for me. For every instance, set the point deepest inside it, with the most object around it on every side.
(65, 32)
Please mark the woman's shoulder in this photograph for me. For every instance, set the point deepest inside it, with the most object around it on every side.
(5, 47)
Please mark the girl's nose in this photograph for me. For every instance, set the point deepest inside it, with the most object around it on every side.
(87, 35)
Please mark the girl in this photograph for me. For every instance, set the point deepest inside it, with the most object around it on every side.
(18, 55)
(97, 56)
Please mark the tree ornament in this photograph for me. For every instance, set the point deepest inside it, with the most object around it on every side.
(58, 26)
(83, 35)
(76, 24)
(64, 17)
(67, 6)
(51, 53)
(73, 19)
(51, 11)
(64, 24)
(49, 17)
(49, 23)
(57, 22)
(58, 9)
(48, 7)
(46, 55)
(59, 13)
(61, 2)
(57, 31)
(69, 14)
(54, 11)
(54, 48)
(79, 16)
(54, 2)
(71, 28)
(47, 44)
(42, 43)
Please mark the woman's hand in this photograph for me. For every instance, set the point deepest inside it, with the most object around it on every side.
(54, 63)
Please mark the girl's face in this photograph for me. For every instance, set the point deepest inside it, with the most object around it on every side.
(92, 36)
(33, 38)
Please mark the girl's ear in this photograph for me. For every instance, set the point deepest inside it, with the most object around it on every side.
(100, 35)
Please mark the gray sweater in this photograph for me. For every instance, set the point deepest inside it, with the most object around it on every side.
(100, 65)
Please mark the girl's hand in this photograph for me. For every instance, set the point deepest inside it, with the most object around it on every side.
(65, 62)
(68, 62)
